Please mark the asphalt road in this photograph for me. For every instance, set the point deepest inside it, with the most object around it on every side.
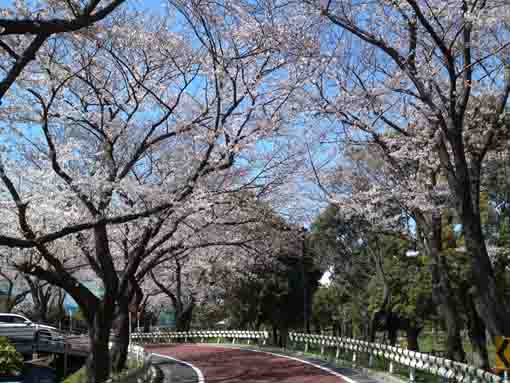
(214, 364)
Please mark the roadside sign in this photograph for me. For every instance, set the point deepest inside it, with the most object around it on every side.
(502, 353)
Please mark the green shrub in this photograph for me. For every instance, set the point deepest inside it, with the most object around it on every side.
(11, 361)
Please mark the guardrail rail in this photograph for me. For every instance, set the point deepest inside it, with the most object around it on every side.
(169, 337)
(45, 342)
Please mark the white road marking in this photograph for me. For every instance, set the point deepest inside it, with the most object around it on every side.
(195, 369)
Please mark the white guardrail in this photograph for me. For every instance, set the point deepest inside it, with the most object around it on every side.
(442, 367)
(415, 361)
(168, 336)
(28, 342)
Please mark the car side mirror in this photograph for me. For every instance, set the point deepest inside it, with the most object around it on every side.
(28, 323)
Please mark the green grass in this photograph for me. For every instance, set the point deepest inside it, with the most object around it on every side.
(79, 376)
(429, 342)
(468, 348)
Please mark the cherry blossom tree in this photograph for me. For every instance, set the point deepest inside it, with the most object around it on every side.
(179, 281)
(425, 80)
(25, 29)
(229, 242)
(145, 123)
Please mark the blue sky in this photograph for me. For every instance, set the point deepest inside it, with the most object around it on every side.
(138, 4)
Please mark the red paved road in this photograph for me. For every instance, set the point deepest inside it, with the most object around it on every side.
(227, 365)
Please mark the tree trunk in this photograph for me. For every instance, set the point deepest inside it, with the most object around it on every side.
(121, 343)
(381, 318)
(442, 294)
(132, 295)
(412, 333)
(275, 335)
(392, 333)
(58, 302)
(490, 306)
(183, 317)
(447, 308)
(349, 332)
(284, 335)
(365, 323)
(100, 324)
(477, 336)
(379, 322)
(338, 329)
(98, 363)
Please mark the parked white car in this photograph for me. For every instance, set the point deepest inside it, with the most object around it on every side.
(18, 327)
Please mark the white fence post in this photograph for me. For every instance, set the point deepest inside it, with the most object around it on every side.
(412, 375)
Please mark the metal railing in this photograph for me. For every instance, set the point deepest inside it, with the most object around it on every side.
(168, 336)
(414, 361)
(32, 342)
